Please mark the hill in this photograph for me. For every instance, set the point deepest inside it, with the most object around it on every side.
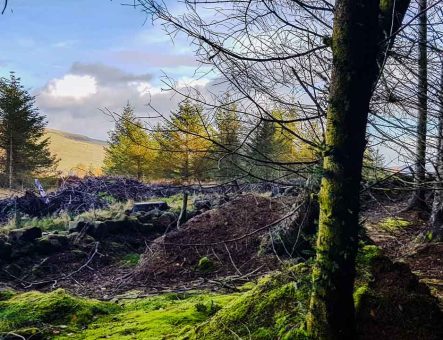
(77, 153)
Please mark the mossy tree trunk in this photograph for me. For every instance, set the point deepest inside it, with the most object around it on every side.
(359, 49)
(418, 199)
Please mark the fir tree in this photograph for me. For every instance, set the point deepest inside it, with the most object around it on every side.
(184, 145)
(131, 150)
(227, 139)
(22, 128)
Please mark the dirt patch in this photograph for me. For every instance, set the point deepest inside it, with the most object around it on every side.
(398, 306)
(219, 242)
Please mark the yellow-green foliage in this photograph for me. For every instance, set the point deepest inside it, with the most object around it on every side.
(160, 317)
(274, 309)
(393, 223)
(48, 310)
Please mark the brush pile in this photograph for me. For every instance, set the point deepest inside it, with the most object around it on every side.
(76, 195)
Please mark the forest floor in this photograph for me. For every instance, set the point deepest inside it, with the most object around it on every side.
(403, 237)
(148, 288)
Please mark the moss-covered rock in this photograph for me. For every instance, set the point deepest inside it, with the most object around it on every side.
(48, 310)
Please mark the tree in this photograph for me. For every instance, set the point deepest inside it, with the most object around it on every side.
(436, 220)
(131, 150)
(281, 54)
(418, 200)
(22, 128)
(361, 38)
(227, 141)
(184, 145)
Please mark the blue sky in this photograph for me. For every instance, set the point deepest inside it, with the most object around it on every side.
(80, 56)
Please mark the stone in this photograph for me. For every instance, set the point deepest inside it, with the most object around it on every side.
(51, 244)
(148, 206)
(24, 234)
(165, 221)
(80, 227)
(203, 204)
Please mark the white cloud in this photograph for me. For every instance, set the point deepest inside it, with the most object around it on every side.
(191, 82)
(73, 86)
(145, 88)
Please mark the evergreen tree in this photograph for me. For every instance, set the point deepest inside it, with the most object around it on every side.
(262, 149)
(131, 150)
(22, 128)
(227, 139)
(184, 145)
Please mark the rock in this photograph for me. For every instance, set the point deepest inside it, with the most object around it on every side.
(80, 227)
(24, 234)
(112, 227)
(80, 239)
(165, 221)
(148, 206)
(51, 244)
(202, 204)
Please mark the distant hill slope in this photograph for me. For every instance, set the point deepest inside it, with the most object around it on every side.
(74, 150)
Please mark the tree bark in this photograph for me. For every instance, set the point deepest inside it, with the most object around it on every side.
(359, 50)
(436, 220)
(418, 199)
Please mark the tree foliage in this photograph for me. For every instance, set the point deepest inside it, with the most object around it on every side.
(22, 128)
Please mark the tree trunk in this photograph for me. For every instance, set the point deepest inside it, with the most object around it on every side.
(418, 199)
(359, 49)
(436, 220)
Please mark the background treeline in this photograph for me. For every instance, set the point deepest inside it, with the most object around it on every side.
(191, 145)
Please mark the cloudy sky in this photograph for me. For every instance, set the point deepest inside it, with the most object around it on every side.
(81, 56)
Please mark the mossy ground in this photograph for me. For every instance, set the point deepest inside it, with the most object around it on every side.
(59, 315)
(387, 297)
(49, 313)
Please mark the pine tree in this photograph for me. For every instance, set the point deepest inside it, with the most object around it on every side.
(131, 150)
(184, 145)
(262, 149)
(227, 138)
(22, 128)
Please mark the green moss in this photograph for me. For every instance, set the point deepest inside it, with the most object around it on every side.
(205, 264)
(131, 259)
(46, 310)
(6, 294)
(274, 308)
(160, 317)
(393, 223)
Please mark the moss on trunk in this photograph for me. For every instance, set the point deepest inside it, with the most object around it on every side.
(358, 40)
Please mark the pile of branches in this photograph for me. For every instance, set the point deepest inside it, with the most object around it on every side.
(76, 195)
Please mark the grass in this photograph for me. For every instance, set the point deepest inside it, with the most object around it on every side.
(61, 221)
(176, 201)
(78, 154)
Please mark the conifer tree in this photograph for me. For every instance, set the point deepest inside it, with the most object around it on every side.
(184, 142)
(227, 138)
(131, 150)
(22, 128)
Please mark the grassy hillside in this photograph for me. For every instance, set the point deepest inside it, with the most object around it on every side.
(76, 151)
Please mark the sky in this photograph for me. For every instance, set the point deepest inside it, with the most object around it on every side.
(81, 57)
